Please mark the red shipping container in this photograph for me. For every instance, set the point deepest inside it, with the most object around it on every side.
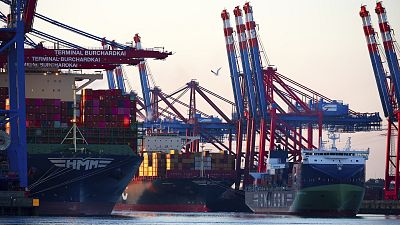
(43, 109)
(95, 118)
(96, 110)
(102, 111)
(102, 118)
(126, 122)
(120, 111)
(120, 118)
(114, 111)
(96, 103)
(57, 117)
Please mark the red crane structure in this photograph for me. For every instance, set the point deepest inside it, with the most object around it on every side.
(389, 92)
(277, 112)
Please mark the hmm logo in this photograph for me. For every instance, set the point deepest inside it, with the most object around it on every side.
(81, 163)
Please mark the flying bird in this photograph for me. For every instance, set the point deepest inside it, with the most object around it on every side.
(216, 73)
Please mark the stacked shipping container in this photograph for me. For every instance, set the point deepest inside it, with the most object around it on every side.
(106, 108)
(187, 165)
(153, 165)
(105, 117)
(111, 113)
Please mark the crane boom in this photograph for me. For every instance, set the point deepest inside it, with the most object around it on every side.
(233, 67)
(376, 61)
(244, 55)
(391, 56)
(256, 60)
(144, 81)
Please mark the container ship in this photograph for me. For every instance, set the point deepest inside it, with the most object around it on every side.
(82, 172)
(176, 181)
(327, 182)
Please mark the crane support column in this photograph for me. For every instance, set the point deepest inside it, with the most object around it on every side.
(16, 75)
(119, 75)
(22, 153)
(249, 84)
(393, 155)
(110, 73)
(239, 138)
(258, 75)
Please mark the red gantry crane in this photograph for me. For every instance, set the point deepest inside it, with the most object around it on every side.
(277, 110)
(389, 92)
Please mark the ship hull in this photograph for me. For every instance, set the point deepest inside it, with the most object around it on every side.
(79, 183)
(317, 190)
(335, 200)
(328, 200)
(172, 195)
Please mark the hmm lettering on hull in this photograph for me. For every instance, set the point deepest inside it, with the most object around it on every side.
(81, 163)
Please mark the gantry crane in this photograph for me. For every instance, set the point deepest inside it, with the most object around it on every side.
(389, 92)
(277, 108)
(18, 21)
(71, 56)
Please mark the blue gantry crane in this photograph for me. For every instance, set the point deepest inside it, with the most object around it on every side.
(12, 53)
(18, 22)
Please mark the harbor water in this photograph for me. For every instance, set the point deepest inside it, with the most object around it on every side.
(154, 218)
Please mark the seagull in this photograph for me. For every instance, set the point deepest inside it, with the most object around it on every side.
(216, 73)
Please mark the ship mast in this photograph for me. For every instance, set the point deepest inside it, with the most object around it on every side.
(74, 129)
(333, 137)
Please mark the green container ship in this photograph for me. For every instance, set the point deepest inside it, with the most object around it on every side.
(327, 182)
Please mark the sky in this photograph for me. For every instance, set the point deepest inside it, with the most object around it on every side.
(318, 43)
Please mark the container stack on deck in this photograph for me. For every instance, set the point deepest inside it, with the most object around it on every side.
(111, 113)
(181, 182)
(214, 165)
(153, 165)
(106, 108)
(103, 113)
(186, 165)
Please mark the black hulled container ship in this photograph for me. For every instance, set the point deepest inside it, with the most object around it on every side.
(84, 169)
(174, 181)
(327, 182)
